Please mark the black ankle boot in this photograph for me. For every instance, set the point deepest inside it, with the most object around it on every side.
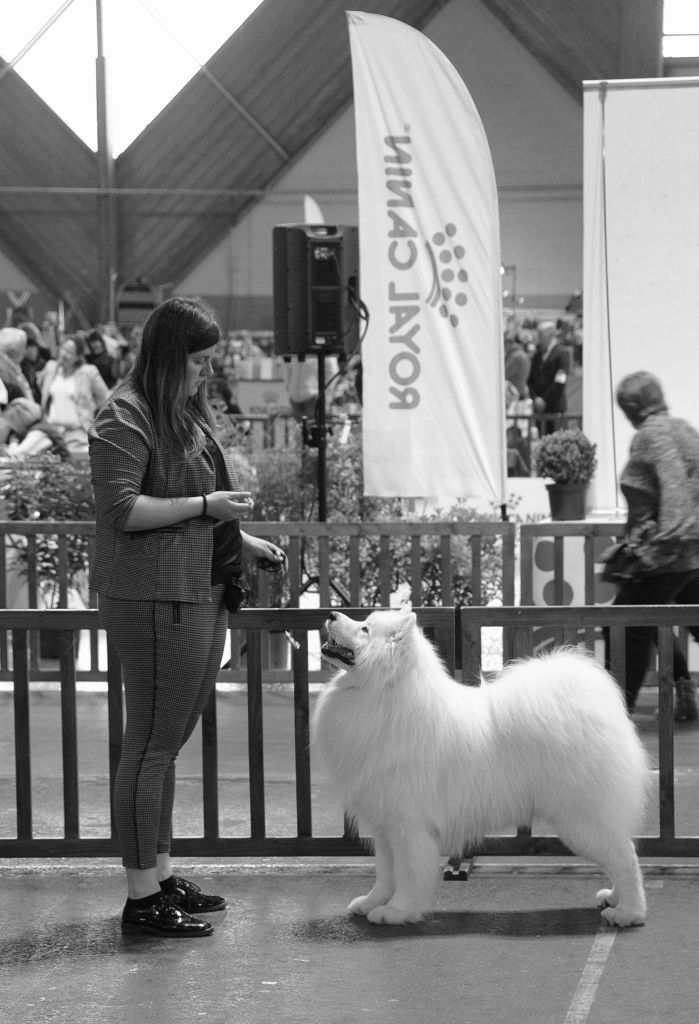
(162, 917)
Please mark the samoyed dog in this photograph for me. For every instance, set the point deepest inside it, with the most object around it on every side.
(428, 766)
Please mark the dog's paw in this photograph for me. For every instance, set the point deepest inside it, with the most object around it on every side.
(393, 915)
(618, 917)
(607, 898)
(362, 905)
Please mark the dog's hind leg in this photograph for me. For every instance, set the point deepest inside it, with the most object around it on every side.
(416, 868)
(383, 886)
(625, 903)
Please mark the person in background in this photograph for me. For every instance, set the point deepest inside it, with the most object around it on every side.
(517, 364)
(20, 314)
(548, 374)
(128, 349)
(97, 355)
(574, 383)
(168, 539)
(24, 431)
(13, 346)
(32, 332)
(51, 332)
(661, 485)
(36, 356)
(71, 393)
(220, 389)
(114, 340)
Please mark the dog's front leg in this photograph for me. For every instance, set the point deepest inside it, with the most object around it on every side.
(415, 854)
(383, 886)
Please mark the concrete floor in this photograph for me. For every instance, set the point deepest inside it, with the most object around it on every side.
(515, 943)
(521, 941)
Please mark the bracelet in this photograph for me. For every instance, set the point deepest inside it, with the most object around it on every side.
(206, 504)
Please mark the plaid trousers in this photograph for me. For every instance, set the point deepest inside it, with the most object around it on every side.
(170, 653)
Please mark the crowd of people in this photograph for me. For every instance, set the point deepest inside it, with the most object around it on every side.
(52, 383)
(64, 378)
(543, 380)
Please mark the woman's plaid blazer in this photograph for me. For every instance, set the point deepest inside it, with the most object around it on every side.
(128, 458)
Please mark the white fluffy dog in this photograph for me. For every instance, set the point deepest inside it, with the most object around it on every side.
(429, 766)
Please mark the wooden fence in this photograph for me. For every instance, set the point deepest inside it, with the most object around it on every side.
(568, 542)
(459, 636)
(353, 564)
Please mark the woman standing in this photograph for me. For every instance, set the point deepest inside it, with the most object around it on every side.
(168, 538)
(71, 393)
(661, 485)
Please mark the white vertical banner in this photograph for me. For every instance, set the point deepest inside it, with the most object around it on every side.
(641, 257)
(429, 237)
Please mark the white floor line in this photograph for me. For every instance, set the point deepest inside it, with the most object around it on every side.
(585, 993)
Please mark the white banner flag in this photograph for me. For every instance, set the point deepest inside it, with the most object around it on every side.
(429, 238)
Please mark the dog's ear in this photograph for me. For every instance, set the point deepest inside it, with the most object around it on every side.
(406, 624)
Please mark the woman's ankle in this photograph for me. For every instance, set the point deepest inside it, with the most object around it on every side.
(142, 882)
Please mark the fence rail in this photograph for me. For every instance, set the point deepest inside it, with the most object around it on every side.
(327, 560)
(450, 628)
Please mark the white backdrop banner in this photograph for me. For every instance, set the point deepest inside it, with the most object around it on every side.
(429, 237)
(641, 257)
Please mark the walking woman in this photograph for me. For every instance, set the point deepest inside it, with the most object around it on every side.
(168, 538)
(661, 485)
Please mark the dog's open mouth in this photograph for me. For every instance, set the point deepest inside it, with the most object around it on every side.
(336, 652)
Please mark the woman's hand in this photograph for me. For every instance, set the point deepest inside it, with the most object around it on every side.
(258, 549)
(227, 505)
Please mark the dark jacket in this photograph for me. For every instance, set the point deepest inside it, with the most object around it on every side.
(542, 378)
(128, 458)
(661, 485)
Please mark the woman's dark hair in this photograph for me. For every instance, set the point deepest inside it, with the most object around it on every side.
(640, 394)
(95, 335)
(173, 330)
(78, 340)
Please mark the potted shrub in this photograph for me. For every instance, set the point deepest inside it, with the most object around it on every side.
(44, 487)
(568, 459)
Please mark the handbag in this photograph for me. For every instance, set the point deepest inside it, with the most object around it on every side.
(621, 563)
(236, 593)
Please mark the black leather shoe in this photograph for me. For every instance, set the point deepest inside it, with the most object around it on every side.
(162, 918)
(188, 896)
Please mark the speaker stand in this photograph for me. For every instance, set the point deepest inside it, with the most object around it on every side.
(316, 436)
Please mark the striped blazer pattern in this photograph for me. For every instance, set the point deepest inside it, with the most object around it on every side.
(128, 458)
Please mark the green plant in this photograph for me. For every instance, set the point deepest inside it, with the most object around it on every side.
(44, 487)
(566, 457)
(285, 489)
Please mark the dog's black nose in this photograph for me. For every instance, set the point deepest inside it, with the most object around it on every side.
(331, 617)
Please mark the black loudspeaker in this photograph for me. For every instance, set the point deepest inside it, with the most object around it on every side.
(316, 289)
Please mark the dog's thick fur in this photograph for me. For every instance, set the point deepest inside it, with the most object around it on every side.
(428, 766)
